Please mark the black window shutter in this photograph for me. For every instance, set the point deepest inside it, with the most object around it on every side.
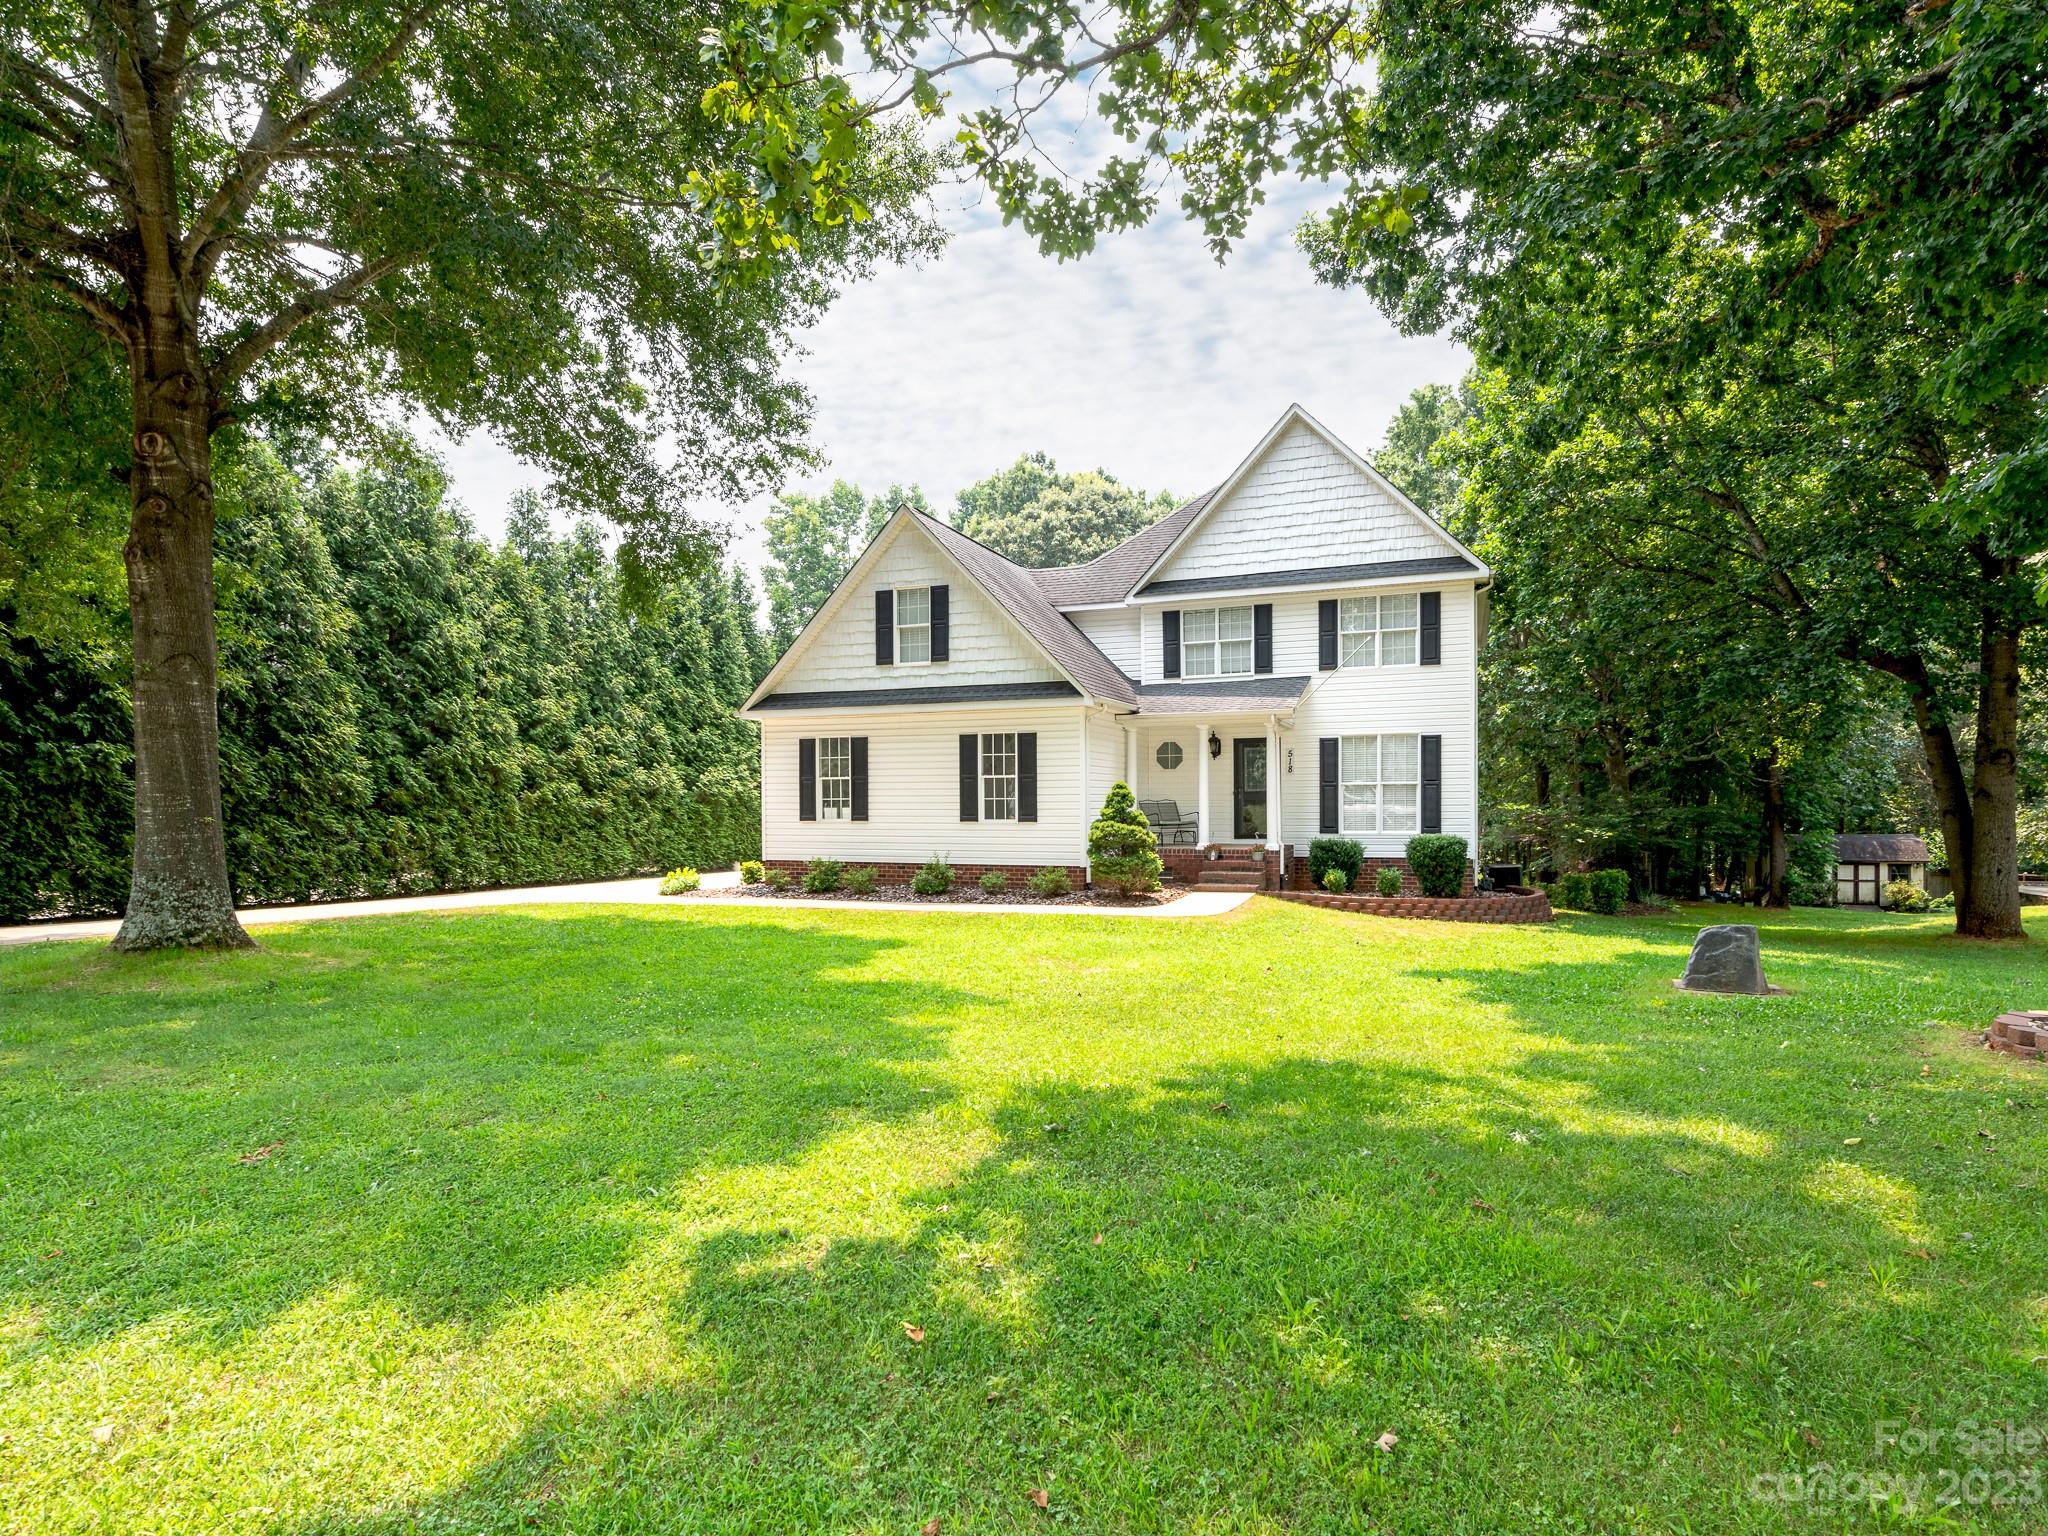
(1169, 629)
(860, 778)
(942, 621)
(1262, 637)
(885, 628)
(1326, 635)
(1027, 775)
(970, 776)
(1329, 784)
(1432, 629)
(1432, 783)
(807, 779)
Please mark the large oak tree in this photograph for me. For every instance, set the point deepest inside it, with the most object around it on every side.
(520, 216)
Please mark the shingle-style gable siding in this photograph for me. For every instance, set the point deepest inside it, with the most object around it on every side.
(1303, 494)
(986, 645)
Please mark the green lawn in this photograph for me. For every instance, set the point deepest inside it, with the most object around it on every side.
(582, 1219)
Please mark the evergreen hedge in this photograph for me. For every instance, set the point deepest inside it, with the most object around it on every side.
(405, 707)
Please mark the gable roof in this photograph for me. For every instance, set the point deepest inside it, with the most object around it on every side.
(1013, 587)
(1880, 848)
(1008, 586)
(1293, 415)
(1110, 576)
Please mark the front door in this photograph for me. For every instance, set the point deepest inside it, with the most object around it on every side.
(1248, 796)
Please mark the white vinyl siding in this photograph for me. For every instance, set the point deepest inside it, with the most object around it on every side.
(913, 626)
(835, 777)
(985, 644)
(1115, 633)
(914, 787)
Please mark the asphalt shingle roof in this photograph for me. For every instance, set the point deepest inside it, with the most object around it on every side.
(1880, 848)
(1108, 578)
(1225, 696)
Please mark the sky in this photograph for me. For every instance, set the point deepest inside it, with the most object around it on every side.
(1145, 359)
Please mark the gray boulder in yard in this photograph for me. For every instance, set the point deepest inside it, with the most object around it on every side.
(1727, 957)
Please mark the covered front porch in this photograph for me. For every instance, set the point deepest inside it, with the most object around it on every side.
(1208, 770)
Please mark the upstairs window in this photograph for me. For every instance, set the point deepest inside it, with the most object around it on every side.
(1216, 642)
(913, 625)
(1379, 631)
(835, 778)
(999, 776)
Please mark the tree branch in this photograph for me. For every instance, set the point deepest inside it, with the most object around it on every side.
(113, 320)
(339, 294)
(274, 133)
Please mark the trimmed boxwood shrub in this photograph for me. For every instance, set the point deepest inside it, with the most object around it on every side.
(1609, 889)
(935, 879)
(751, 871)
(1437, 860)
(1052, 881)
(1388, 881)
(824, 875)
(1335, 882)
(1574, 891)
(1328, 853)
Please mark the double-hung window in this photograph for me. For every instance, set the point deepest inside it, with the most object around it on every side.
(999, 776)
(1379, 631)
(835, 778)
(1380, 780)
(1216, 642)
(913, 625)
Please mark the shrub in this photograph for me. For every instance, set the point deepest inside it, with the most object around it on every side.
(778, 879)
(677, 881)
(1438, 862)
(824, 875)
(1905, 896)
(1052, 881)
(1574, 890)
(751, 871)
(1388, 881)
(1335, 881)
(1943, 903)
(994, 882)
(935, 879)
(1608, 889)
(1123, 850)
(1328, 853)
(863, 880)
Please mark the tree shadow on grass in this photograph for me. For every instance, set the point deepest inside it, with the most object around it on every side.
(458, 1128)
(1199, 1307)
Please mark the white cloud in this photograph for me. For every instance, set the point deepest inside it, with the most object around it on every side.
(1146, 359)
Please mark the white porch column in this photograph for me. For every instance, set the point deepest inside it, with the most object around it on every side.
(1087, 811)
(1131, 757)
(1273, 782)
(1202, 784)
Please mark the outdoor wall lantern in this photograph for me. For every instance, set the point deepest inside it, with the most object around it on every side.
(1215, 745)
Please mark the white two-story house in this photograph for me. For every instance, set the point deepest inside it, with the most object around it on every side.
(1291, 654)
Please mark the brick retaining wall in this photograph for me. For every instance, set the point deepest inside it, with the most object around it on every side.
(1368, 871)
(1515, 905)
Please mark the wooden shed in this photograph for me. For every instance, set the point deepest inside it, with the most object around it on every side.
(1866, 862)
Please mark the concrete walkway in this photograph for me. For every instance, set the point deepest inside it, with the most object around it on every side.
(620, 892)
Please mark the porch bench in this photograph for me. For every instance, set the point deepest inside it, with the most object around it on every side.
(1169, 821)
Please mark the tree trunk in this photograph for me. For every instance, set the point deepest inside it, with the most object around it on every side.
(1991, 909)
(1776, 849)
(179, 893)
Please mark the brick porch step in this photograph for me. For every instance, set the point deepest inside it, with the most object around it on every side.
(1214, 879)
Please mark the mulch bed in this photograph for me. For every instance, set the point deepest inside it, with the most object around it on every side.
(965, 894)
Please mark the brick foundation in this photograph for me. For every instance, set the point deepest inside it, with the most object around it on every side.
(2024, 1035)
(1368, 871)
(892, 872)
(1516, 904)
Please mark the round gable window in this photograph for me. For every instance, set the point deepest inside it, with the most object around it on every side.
(1168, 755)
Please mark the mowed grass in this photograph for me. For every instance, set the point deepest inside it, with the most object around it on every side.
(739, 1220)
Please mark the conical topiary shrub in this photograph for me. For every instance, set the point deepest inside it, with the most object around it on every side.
(1123, 850)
